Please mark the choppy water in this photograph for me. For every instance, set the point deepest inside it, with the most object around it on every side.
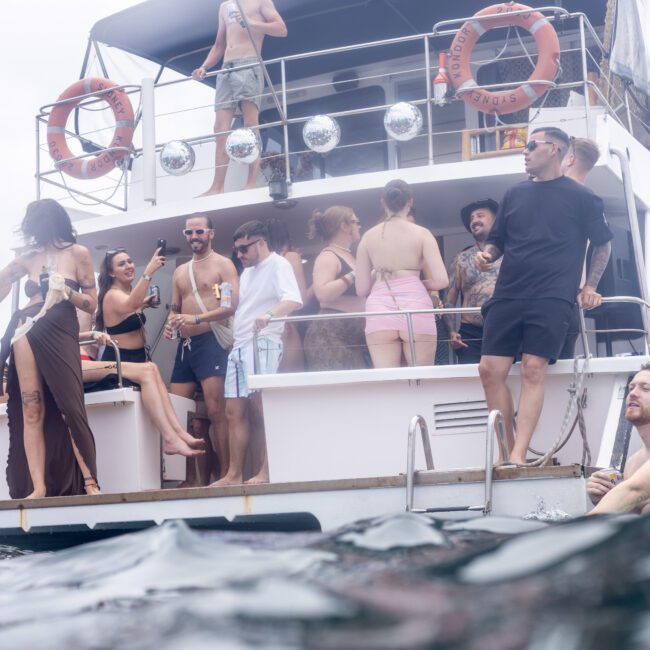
(406, 581)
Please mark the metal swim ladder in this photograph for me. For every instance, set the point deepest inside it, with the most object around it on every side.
(495, 426)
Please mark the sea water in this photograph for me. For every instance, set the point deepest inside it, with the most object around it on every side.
(404, 581)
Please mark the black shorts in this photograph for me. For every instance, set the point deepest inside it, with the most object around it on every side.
(569, 348)
(198, 358)
(534, 326)
(472, 336)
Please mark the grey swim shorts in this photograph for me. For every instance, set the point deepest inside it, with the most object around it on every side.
(233, 87)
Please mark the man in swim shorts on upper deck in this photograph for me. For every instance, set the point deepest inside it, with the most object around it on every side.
(239, 88)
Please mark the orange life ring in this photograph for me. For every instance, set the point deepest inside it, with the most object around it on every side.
(103, 162)
(507, 101)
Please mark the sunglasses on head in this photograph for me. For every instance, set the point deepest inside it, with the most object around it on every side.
(188, 232)
(243, 249)
(531, 145)
(115, 251)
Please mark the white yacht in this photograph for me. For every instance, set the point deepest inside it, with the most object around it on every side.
(346, 445)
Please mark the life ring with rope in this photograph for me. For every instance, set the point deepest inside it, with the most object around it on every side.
(105, 160)
(499, 15)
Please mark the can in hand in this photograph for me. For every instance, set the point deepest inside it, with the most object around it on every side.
(613, 475)
(174, 334)
(155, 292)
(226, 294)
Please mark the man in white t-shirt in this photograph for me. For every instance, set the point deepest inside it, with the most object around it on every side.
(268, 289)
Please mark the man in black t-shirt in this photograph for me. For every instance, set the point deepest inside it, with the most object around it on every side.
(541, 230)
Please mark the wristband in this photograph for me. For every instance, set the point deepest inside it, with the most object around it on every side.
(197, 319)
(146, 277)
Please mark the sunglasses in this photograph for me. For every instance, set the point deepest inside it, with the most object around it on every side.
(188, 232)
(115, 251)
(356, 222)
(243, 249)
(531, 145)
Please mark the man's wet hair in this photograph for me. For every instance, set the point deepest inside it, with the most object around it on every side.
(251, 229)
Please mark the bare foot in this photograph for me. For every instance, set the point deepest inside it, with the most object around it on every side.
(259, 479)
(227, 480)
(179, 446)
(189, 484)
(213, 190)
(250, 186)
(194, 443)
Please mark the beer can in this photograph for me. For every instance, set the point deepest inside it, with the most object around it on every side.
(613, 475)
(174, 334)
(226, 294)
(155, 292)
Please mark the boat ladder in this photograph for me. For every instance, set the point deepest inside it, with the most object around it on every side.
(495, 426)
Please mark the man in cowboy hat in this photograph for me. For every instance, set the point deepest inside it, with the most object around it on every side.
(472, 286)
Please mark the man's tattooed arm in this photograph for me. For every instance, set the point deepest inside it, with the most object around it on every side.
(599, 259)
(175, 308)
(452, 294)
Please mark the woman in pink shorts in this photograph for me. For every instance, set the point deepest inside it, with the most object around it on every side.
(390, 258)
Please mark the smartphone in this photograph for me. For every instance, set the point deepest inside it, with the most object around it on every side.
(162, 244)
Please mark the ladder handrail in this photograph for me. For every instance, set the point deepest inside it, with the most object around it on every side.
(416, 421)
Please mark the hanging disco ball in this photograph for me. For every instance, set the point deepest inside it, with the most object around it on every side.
(243, 146)
(403, 121)
(177, 158)
(321, 133)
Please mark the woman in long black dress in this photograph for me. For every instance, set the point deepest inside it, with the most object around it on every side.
(51, 447)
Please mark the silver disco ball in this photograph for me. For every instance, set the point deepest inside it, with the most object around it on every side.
(321, 133)
(243, 146)
(177, 158)
(403, 121)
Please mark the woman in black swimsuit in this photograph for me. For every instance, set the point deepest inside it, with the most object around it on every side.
(120, 304)
(51, 447)
(119, 313)
(336, 344)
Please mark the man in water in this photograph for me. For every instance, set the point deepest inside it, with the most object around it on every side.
(633, 493)
(467, 282)
(541, 229)
(268, 290)
(239, 89)
(204, 340)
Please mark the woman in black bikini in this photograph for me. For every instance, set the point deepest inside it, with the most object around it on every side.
(336, 344)
(51, 447)
(119, 313)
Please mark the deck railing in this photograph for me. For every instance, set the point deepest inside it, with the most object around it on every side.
(145, 116)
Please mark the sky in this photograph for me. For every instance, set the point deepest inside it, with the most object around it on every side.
(41, 51)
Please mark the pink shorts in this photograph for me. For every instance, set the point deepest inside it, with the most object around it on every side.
(408, 293)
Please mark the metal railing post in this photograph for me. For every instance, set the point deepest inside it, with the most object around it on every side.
(285, 125)
(427, 81)
(583, 333)
(585, 80)
(37, 178)
(148, 141)
(636, 234)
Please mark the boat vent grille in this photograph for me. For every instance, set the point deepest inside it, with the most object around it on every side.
(452, 418)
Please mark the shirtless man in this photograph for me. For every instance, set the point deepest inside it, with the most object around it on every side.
(472, 286)
(240, 88)
(200, 359)
(633, 493)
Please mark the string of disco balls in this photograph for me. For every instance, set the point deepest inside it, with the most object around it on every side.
(321, 133)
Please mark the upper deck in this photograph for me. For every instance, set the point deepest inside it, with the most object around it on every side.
(440, 163)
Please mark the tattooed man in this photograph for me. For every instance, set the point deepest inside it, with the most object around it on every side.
(473, 286)
(541, 230)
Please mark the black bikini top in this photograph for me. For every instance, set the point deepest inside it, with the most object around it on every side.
(345, 268)
(131, 323)
(32, 288)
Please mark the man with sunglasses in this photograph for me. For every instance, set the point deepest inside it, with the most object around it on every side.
(268, 290)
(205, 335)
(541, 230)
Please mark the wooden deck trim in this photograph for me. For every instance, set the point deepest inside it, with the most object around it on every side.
(433, 477)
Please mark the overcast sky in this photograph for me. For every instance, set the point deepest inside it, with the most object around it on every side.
(41, 51)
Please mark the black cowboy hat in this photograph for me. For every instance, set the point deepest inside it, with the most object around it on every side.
(466, 212)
